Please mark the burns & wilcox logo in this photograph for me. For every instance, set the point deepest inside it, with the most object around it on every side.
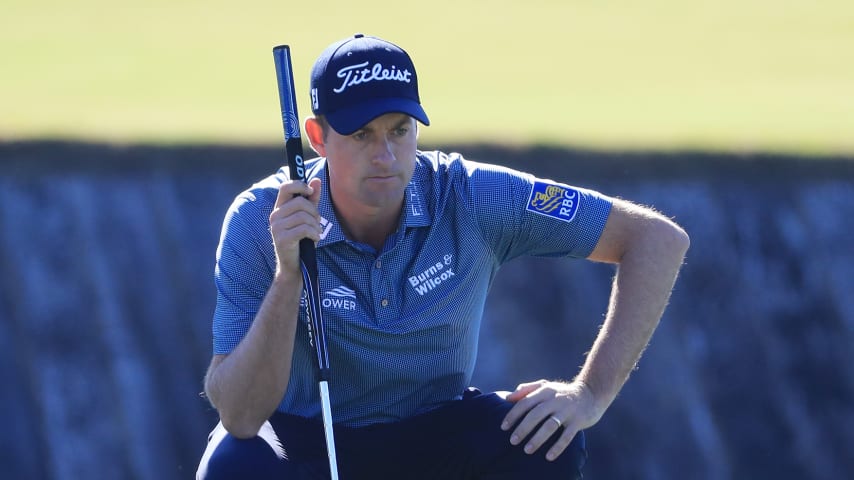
(433, 276)
(554, 201)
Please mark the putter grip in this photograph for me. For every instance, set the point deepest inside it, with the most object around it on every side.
(293, 141)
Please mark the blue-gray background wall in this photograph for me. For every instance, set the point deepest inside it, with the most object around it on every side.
(106, 294)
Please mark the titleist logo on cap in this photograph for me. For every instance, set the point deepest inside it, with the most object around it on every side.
(360, 73)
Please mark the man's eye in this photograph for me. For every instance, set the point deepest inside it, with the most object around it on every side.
(360, 135)
(402, 131)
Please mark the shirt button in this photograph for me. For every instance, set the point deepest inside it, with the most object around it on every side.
(384, 302)
(379, 264)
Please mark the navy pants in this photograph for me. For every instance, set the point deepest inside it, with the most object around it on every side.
(462, 440)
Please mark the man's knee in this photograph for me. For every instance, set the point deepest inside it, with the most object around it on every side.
(228, 457)
(575, 456)
(514, 463)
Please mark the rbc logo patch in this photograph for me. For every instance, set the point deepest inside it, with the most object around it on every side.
(554, 201)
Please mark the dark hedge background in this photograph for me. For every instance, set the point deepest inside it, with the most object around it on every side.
(106, 294)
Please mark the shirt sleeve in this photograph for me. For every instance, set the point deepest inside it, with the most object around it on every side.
(245, 264)
(520, 214)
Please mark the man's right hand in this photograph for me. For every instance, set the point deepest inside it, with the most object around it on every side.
(294, 217)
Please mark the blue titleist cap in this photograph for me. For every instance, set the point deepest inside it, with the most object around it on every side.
(360, 78)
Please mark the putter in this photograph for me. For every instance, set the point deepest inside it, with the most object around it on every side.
(307, 253)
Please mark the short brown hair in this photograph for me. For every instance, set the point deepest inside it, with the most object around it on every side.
(324, 125)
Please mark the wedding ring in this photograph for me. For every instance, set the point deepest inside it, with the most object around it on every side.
(557, 420)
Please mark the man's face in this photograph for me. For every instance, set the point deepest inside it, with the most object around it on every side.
(372, 166)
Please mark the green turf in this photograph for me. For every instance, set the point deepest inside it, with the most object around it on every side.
(732, 75)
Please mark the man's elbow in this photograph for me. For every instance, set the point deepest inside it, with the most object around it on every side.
(633, 232)
(242, 428)
(668, 242)
(678, 239)
(236, 420)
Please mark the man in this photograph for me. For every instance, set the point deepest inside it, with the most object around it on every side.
(408, 243)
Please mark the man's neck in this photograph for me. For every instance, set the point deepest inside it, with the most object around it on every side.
(368, 225)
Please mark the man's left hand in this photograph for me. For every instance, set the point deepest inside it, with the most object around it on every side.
(550, 405)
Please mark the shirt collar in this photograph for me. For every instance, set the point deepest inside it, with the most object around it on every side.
(415, 211)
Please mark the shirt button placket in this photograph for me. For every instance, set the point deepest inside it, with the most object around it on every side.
(381, 288)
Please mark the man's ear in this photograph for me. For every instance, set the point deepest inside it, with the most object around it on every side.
(314, 132)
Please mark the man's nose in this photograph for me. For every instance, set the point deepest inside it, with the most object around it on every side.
(383, 152)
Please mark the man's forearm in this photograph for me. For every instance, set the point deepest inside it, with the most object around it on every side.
(645, 277)
(247, 385)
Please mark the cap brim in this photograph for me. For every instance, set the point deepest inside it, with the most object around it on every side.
(348, 120)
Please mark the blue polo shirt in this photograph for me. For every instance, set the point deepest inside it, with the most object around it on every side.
(402, 324)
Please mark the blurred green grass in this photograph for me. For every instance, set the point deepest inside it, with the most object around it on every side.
(663, 74)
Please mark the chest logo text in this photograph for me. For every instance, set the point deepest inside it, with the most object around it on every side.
(433, 277)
